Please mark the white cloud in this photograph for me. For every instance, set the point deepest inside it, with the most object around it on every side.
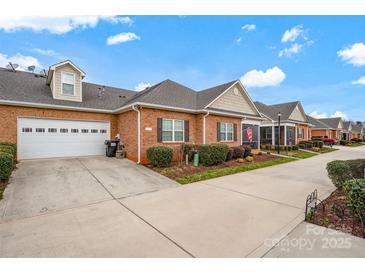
(23, 61)
(354, 54)
(288, 52)
(122, 38)
(58, 25)
(45, 52)
(360, 81)
(238, 40)
(259, 78)
(318, 115)
(339, 114)
(292, 34)
(141, 86)
(249, 27)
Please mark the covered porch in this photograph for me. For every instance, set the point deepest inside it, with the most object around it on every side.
(269, 134)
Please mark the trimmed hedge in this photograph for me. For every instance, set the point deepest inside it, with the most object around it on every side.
(229, 154)
(6, 165)
(341, 171)
(344, 142)
(160, 156)
(4, 146)
(238, 152)
(355, 193)
(214, 154)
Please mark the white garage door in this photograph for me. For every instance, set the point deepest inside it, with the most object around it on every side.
(47, 138)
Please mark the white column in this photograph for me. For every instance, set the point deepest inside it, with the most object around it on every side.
(258, 138)
(273, 135)
(284, 135)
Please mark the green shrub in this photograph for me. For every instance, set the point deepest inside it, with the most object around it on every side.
(189, 149)
(9, 146)
(357, 167)
(344, 142)
(247, 151)
(238, 152)
(6, 165)
(339, 172)
(317, 139)
(316, 149)
(355, 192)
(160, 156)
(356, 140)
(295, 147)
(214, 154)
(229, 156)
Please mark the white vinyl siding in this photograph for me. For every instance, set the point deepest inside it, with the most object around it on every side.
(172, 130)
(226, 132)
(68, 83)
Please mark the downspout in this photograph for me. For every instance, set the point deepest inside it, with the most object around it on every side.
(137, 109)
(206, 115)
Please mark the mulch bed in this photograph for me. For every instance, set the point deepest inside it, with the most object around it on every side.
(3, 185)
(328, 216)
(180, 169)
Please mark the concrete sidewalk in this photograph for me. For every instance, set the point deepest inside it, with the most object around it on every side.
(312, 241)
(231, 216)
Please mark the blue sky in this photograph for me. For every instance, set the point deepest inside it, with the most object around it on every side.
(319, 60)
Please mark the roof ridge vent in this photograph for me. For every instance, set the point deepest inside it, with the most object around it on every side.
(101, 91)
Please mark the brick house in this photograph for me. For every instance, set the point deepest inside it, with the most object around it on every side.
(327, 127)
(294, 124)
(58, 114)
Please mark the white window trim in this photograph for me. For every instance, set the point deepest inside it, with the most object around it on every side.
(74, 84)
(173, 131)
(226, 132)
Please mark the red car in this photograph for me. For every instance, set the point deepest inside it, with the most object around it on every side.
(329, 141)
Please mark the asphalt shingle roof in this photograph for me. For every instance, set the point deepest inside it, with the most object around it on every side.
(272, 111)
(332, 122)
(357, 128)
(26, 87)
(317, 123)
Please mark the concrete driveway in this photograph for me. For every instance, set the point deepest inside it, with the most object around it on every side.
(230, 216)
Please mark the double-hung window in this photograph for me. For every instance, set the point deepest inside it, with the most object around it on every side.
(226, 131)
(172, 130)
(68, 83)
(300, 133)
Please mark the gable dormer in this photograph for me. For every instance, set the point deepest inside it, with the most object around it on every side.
(298, 114)
(65, 81)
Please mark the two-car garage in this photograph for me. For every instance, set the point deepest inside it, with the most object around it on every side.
(49, 138)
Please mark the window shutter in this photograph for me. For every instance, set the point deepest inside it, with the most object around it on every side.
(235, 132)
(186, 130)
(159, 130)
(218, 131)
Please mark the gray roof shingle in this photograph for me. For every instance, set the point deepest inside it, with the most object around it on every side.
(26, 87)
(272, 111)
(332, 122)
(317, 123)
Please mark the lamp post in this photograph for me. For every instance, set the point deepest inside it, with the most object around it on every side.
(279, 116)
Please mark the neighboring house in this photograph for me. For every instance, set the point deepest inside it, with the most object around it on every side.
(347, 131)
(357, 131)
(330, 127)
(59, 114)
(294, 124)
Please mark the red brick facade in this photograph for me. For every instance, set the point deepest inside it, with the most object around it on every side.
(126, 125)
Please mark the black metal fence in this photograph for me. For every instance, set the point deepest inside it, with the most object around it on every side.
(340, 217)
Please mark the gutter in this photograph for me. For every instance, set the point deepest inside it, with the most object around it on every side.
(205, 116)
(137, 109)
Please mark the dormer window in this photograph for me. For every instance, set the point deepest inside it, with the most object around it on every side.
(68, 83)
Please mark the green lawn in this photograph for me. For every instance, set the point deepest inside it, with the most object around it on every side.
(355, 144)
(301, 154)
(229, 170)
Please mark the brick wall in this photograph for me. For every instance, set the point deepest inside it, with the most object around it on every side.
(127, 128)
(211, 129)
(9, 114)
(305, 137)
